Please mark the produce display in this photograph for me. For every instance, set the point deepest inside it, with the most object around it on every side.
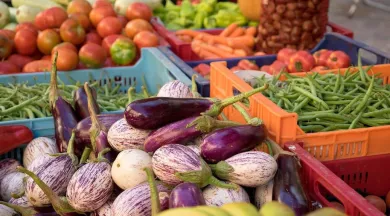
(85, 35)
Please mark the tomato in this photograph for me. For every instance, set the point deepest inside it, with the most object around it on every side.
(136, 26)
(27, 25)
(123, 20)
(377, 202)
(108, 41)
(98, 14)
(72, 31)
(79, 6)
(92, 55)
(277, 67)
(50, 18)
(82, 19)
(204, 69)
(109, 26)
(146, 39)
(67, 60)
(285, 54)
(321, 56)
(7, 67)
(25, 42)
(109, 63)
(37, 55)
(93, 37)
(301, 61)
(139, 10)
(266, 68)
(47, 40)
(64, 45)
(37, 66)
(19, 60)
(101, 3)
(338, 59)
(259, 54)
(319, 68)
(6, 46)
(247, 65)
(46, 57)
(123, 51)
(8, 33)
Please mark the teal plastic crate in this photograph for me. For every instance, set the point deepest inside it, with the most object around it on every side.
(153, 65)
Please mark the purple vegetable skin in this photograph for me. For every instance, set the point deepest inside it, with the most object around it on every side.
(30, 211)
(8, 166)
(186, 195)
(81, 103)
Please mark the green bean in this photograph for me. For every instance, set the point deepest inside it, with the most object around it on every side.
(365, 99)
(317, 112)
(334, 127)
(30, 114)
(312, 128)
(311, 85)
(355, 121)
(347, 108)
(337, 85)
(301, 104)
(338, 102)
(324, 115)
(313, 97)
(377, 113)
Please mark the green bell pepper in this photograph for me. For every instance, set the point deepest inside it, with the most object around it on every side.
(210, 2)
(198, 20)
(227, 6)
(170, 6)
(123, 51)
(205, 7)
(173, 26)
(253, 23)
(224, 18)
(182, 21)
(170, 16)
(210, 22)
(186, 10)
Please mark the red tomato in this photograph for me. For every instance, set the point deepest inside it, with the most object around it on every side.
(136, 26)
(27, 25)
(319, 68)
(92, 55)
(278, 67)
(266, 68)
(8, 33)
(301, 61)
(101, 3)
(25, 42)
(338, 59)
(7, 67)
(64, 45)
(72, 31)
(93, 37)
(109, 26)
(36, 55)
(247, 65)
(233, 69)
(109, 63)
(79, 6)
(50, 18)
(46, 57)
(47, 40)
(6, 46)
(20, 60)
(146, 39)
(67, 59)
(321, 56)
(82, 19)
(285, 54)
(108, 41)
(37, 66)
(377, 202)
(139, 10)
(123, 20)
(98, 14)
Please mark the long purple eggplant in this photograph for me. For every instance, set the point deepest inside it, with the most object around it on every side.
(288, 188)
(179, 133)
(153, 113)
(224, 143)
(80, 100)
(186, 195)
(63, 113)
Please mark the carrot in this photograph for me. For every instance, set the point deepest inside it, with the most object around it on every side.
(247, 65)
(224, 47)
(238, 32)
(240, 52)
(260, 54)
(251, 31)
(242, 40)
(213, 38)
(188, 32)
(228, 30)
(185, 38)
(215, 50)
(205, 54)
(248, 50)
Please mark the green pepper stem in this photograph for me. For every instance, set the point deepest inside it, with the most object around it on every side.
(53, 81)
(85, 155)
(153, 192)
(25, 211)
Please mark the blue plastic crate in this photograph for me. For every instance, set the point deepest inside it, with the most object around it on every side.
(331, 41)
(153, 65)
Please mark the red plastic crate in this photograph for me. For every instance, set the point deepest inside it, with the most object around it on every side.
(320, 182)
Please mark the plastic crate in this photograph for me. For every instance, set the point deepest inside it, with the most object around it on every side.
(153, 65)
(282, 125)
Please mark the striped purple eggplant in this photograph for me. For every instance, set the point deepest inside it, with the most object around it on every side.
(22, 201)
(8, 166)
(174, 164)
(7, 211)
(175, 89)
(38, 147)
(153, 113)
(30, 211)
(263, 194)
(80, 101)
(224, 143)
(195, 148)
(39, 161)
(105, 210)
(216, 196)
(249, 169)
(12, 183)
(122, 136)
(186, 195)
(137, 200)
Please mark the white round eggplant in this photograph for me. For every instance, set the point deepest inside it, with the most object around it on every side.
(37, 147)
(8, 166)
(122, 136)
(105, 210)
(7, 211)
(175, 89)
(263, 194)
(11, 184)
(39, 161)
(217, 196)
(22, 201)
(128, 168)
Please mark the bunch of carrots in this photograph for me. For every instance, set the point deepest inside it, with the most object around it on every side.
(232, 42)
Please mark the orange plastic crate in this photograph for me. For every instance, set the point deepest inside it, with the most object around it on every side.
(282, 125)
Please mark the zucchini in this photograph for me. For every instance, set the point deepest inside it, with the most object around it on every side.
(43, 4)
(27, 13)
(12, 12)
(4, 15)
(11, 26)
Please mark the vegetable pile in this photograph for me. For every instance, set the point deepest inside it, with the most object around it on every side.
(86, 35)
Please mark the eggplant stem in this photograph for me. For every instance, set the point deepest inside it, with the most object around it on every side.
(194, 87)
(145, 92)
(247, 117)
(85, 155)
(53, 81)
(218, 183)
(20, 209)
(130, 93)
(153, 192)
(223, 116)
(206, 124)
(101, 157)
(17, 196)
(222, 170)
(70, 150)
(269, 145)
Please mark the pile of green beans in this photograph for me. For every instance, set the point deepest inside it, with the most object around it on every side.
(332, 101)
(23, 101)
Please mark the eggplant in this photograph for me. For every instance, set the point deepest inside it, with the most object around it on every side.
(8, 166)
(122, 136)
(30, 211)
(288, 188)
(263, 194)
(12, 183)
(174, 164)
(91, 186)
(227, 142)
(39, 161)
(186, 195)
(195, 148)
(250, 169)
(105, 210)
(216, 196)
(80, 101)
(7, 211)
(153, 113)
(63, 113)
(183, 131)
(37, 147)
(22, 201)
(175, 89)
